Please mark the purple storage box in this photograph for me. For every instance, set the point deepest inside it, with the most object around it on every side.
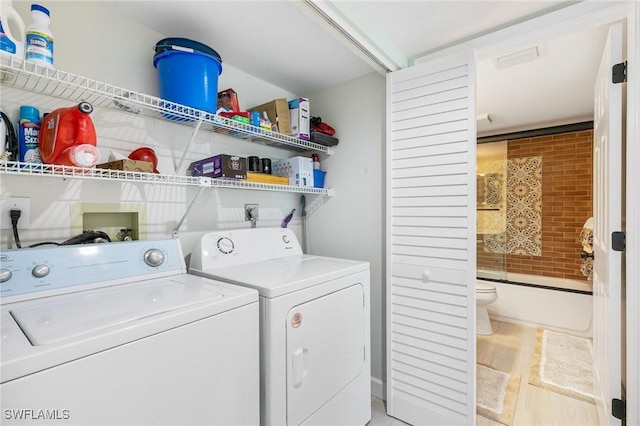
(220, 166)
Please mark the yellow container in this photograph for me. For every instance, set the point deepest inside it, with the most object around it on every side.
(265, 178)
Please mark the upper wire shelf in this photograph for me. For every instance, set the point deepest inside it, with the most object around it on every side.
(36, 78)
(38, 169)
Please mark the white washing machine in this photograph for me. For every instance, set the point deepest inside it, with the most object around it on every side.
(119, 333)
(314, 324)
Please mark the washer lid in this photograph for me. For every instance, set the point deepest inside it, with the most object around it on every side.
(92, 312)
(275, 277)
(41, 333)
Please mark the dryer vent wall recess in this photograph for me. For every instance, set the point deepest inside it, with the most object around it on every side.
(120, 226)
(9, 203)
(251, 212)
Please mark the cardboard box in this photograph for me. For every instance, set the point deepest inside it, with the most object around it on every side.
(228, 99)
(299, 117)
(220, 166)
(128, 165)
(278, 112)
(299, 170)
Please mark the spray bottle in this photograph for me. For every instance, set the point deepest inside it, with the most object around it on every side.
(10, 46)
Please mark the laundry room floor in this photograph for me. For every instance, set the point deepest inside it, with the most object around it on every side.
(379, 414)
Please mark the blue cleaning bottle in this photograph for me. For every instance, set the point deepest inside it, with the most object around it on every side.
(28, 133)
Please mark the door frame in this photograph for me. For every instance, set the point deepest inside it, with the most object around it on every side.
(557, 24)
(633, 215)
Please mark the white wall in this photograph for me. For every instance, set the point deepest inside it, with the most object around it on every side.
(92, 41)
(96, 42)
(351, 223)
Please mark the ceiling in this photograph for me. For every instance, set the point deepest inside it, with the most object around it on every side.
(287, 44)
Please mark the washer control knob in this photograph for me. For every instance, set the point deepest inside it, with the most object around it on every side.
(225, 245)
(5, 275)
(154, 257)
(285, 239)
(40, 271)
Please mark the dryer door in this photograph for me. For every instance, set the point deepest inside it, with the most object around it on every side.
(325, 350)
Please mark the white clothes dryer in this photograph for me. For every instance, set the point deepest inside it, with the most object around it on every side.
(119, 333)
(314, 324)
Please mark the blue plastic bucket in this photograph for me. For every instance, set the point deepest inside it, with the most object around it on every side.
(188, 73)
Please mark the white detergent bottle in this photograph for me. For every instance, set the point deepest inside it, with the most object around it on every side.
(39, 40)
(10, 46)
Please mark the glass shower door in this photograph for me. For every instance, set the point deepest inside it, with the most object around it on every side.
(491, 211)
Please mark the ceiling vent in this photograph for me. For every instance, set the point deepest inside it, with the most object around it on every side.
(519, 57)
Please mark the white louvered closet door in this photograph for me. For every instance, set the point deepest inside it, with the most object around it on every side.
(431, 254)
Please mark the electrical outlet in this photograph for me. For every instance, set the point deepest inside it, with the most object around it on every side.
(21, 203)
(251, 211)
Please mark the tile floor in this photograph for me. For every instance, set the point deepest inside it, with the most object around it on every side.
(510, 349)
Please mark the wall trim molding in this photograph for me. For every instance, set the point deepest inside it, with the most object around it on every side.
(378, 388)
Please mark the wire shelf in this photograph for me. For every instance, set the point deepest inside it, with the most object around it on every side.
(28, 76)
(242, 184)
(16, 168)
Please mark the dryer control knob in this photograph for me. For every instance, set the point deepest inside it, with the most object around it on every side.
(153, 257)
(225, 245)
(5, 275)
(40, 271)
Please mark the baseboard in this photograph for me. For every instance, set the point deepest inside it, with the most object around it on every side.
(378, 388)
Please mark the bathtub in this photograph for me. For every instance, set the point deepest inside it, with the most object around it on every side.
(568, 308)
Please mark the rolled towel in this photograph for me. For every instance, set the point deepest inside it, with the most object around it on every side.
(586, 239)
(586, 235)
(588, 223)
(586, 268)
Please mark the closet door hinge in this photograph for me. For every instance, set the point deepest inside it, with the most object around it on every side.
(619, 73)
(619, 241)
(619, 408)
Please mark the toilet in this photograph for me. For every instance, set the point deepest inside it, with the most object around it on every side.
(485, 294)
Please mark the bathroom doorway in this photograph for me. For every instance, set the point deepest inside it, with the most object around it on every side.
(597, 333)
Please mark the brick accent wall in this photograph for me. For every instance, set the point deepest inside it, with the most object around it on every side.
(567, 186)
